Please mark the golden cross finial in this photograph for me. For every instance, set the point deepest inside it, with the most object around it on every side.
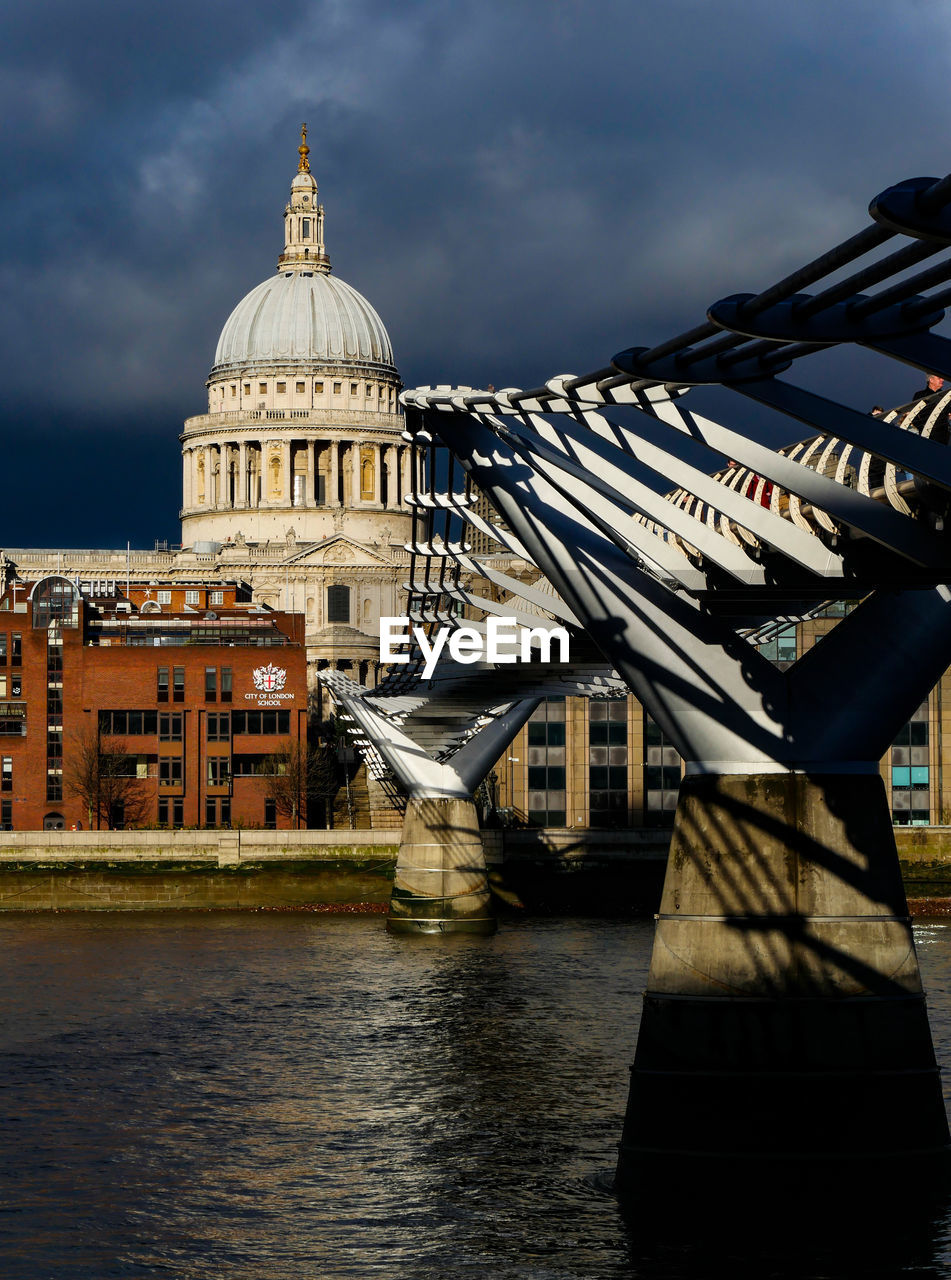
(304, 150)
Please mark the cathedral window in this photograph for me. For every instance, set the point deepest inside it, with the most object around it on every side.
(262, 388)
(337, 386)
(299, 387)
(319, 388)
(305, 227)
(353, 388)
(247, 388)
(234, 390)
(281, 388)
(338, 604)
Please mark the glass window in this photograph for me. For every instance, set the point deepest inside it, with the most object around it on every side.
(163, 595)
(262, 388)
(170, 771)
(16, 685)
(270, 815)
(193, 597)
(162, 685)
(178, 684)
(3, 648)
(338, 604)
(55, 600)
(337, 388)
(299, 387)
(16, 648)
(211, 684)
(170, 726)
(6, 773)
(219, 771)
(247, 388)
(318, 388)
(282, 387)
(6, 815)
(225, 684)
(216, 597)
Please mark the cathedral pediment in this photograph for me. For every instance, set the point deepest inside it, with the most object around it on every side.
(342, 550)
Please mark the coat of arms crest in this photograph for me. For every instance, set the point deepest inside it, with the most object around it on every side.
(269, 679)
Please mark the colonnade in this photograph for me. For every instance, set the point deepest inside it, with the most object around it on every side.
(241, 474)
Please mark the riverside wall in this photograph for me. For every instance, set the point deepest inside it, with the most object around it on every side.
(538, 869)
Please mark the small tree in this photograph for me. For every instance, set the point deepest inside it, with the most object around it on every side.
(101, 773)
(297, 775)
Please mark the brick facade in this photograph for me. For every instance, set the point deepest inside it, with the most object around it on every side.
(187, 706)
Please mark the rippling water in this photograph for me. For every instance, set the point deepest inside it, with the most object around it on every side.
(267, 1097)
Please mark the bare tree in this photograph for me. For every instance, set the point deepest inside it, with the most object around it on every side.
(101, 773)
(297, 775)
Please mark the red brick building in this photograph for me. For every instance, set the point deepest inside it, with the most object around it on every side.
(183, 692)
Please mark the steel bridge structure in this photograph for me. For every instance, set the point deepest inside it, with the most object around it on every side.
(784, 1017)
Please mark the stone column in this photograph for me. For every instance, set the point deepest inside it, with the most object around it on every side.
(784, 1015)
(333, 498)
(405, 472)
(355, 473)
(287, 473)
(378, 475)
(441, 883)
(310, 488)
(241, 495)
(186, 479)
(389, 461)
(209, 475)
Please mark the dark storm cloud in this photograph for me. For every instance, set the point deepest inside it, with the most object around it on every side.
(520, 189)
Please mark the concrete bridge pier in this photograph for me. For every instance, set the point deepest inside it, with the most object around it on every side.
(441, 883)
(784, 1019)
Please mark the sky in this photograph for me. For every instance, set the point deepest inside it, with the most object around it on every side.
(521, 188)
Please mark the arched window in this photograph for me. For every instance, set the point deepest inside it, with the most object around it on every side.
(55, 599)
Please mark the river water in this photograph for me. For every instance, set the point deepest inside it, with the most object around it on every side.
(278, 1096)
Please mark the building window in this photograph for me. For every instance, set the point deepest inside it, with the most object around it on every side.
(193, 597)
(661, 776)
(353, 388)
(218, 812)
(219, 771)
(282, 388)
(16, 686)
(133, 723)
(338, 604)
(6, 815)
(305, 228)
(216, 597)
(319, 388)
(270, 815)
(337, 388)
(268, 722)
(3, 648)
(16, 649)
(299, 387)
(219, 726)
(234, 390)
(170, 771)
(226, 682)
(178, 684)
(161, 692)
(547, 781)
(3, 686)
(911, 772)
(607, 763)
(54, 786)
(170, 726)
(211, 684)
(262, 388)
(163, 596)
(54, 704)
(781, 649)
(171, 814)
(247, 388)
(6, 773)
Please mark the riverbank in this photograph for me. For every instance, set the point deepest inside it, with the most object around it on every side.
(542, 870)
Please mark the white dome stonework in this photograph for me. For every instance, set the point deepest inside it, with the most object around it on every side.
(302, 316)
(302, 441)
